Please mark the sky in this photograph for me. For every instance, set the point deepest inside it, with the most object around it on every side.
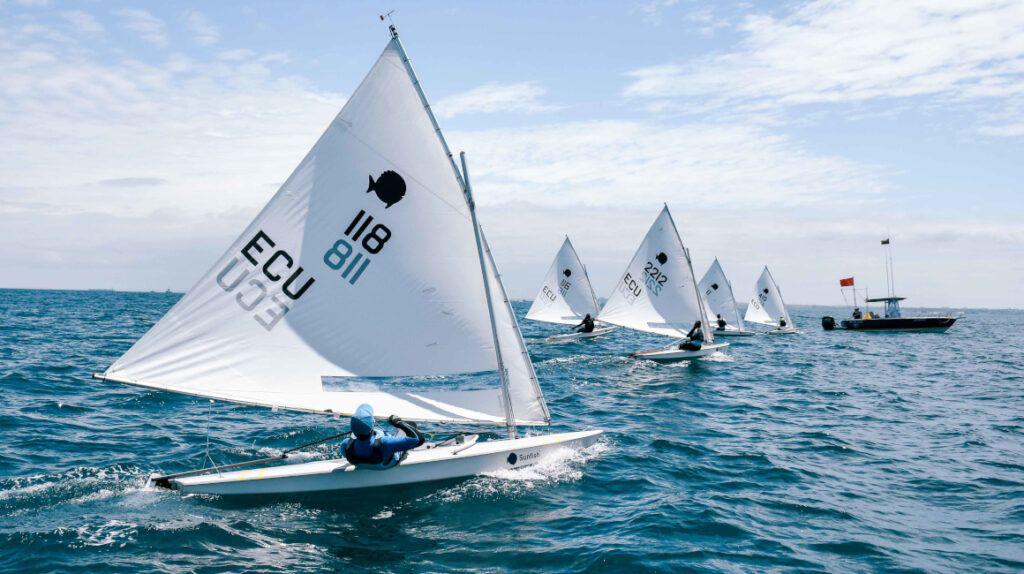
(138, 139)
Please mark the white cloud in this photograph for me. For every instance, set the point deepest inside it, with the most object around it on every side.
(147, 26)
(616, 163)
(519, 97)
(856, 51)
(203, 31)
(82, 21)
(195, 136)
(652, 10)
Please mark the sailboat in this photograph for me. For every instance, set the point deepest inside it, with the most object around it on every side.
(716, 290)
(566, 296)
(658, 294)
(365, 279)
(767, 306)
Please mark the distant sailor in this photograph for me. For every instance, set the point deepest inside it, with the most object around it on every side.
(585, 326)
(857, 314)
(694, 339)
(782, 322)
(721, 323)
(372, 447)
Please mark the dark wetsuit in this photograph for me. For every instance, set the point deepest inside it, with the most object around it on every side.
(586, 326)
(721, 324)
(695, 338)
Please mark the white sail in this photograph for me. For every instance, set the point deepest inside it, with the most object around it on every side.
(360, 281)
(717, 292)
(658, 292)
(767, 306)
(566, 295)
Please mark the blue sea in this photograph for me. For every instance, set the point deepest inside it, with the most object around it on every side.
(818, 452)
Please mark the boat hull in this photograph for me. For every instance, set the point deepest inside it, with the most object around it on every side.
(934, 324)
(421, 465)
(570, 337)
(733, 333)
(781, 332)
(677, 354)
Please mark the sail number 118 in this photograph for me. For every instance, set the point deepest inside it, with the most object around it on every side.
(359, 232)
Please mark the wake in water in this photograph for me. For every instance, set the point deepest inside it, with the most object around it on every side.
(560, 466)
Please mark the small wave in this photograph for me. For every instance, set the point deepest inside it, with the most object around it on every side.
(78, 485)
(719, 357)
(562, 465)
(117, 533)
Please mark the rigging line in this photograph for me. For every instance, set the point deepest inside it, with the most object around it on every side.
(408, 175)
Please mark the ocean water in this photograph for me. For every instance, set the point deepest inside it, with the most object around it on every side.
(819, 452)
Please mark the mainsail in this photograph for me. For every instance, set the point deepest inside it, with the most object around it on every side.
(658, 292)
(360, 281)
(767, 306)
(717, 292)
(566, 295)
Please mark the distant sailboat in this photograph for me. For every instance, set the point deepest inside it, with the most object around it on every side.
(566, 296)
(658, 294)
(335, 296)
(716, 290)
(767, 306)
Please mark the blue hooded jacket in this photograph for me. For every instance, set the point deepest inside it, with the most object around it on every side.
(365, 435)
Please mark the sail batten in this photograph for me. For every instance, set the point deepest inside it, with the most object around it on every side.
(658, 292)
(363, 264)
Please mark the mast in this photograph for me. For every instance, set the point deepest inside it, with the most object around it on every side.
(709, 337)
(735, 307)
(593, 296)
(506, 395)
(463, 180)
(783, 301)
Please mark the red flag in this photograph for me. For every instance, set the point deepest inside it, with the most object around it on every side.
(847, 282)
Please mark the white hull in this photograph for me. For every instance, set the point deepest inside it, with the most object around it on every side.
(569, 337)
(781, 332)
(676, 354)
(733, 333)
(421, 465)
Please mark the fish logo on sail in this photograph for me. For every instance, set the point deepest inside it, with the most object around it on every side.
(662, 258)
(389, 187)
(567, 273)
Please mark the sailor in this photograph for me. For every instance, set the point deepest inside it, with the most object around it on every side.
(782, 322)
(370, 446)
(721, 323)
(585, 326)
(857, 314)
(694, 339)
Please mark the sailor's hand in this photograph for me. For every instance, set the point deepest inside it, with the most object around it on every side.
(394, 420)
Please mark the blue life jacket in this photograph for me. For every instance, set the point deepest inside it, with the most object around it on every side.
(375, 458)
